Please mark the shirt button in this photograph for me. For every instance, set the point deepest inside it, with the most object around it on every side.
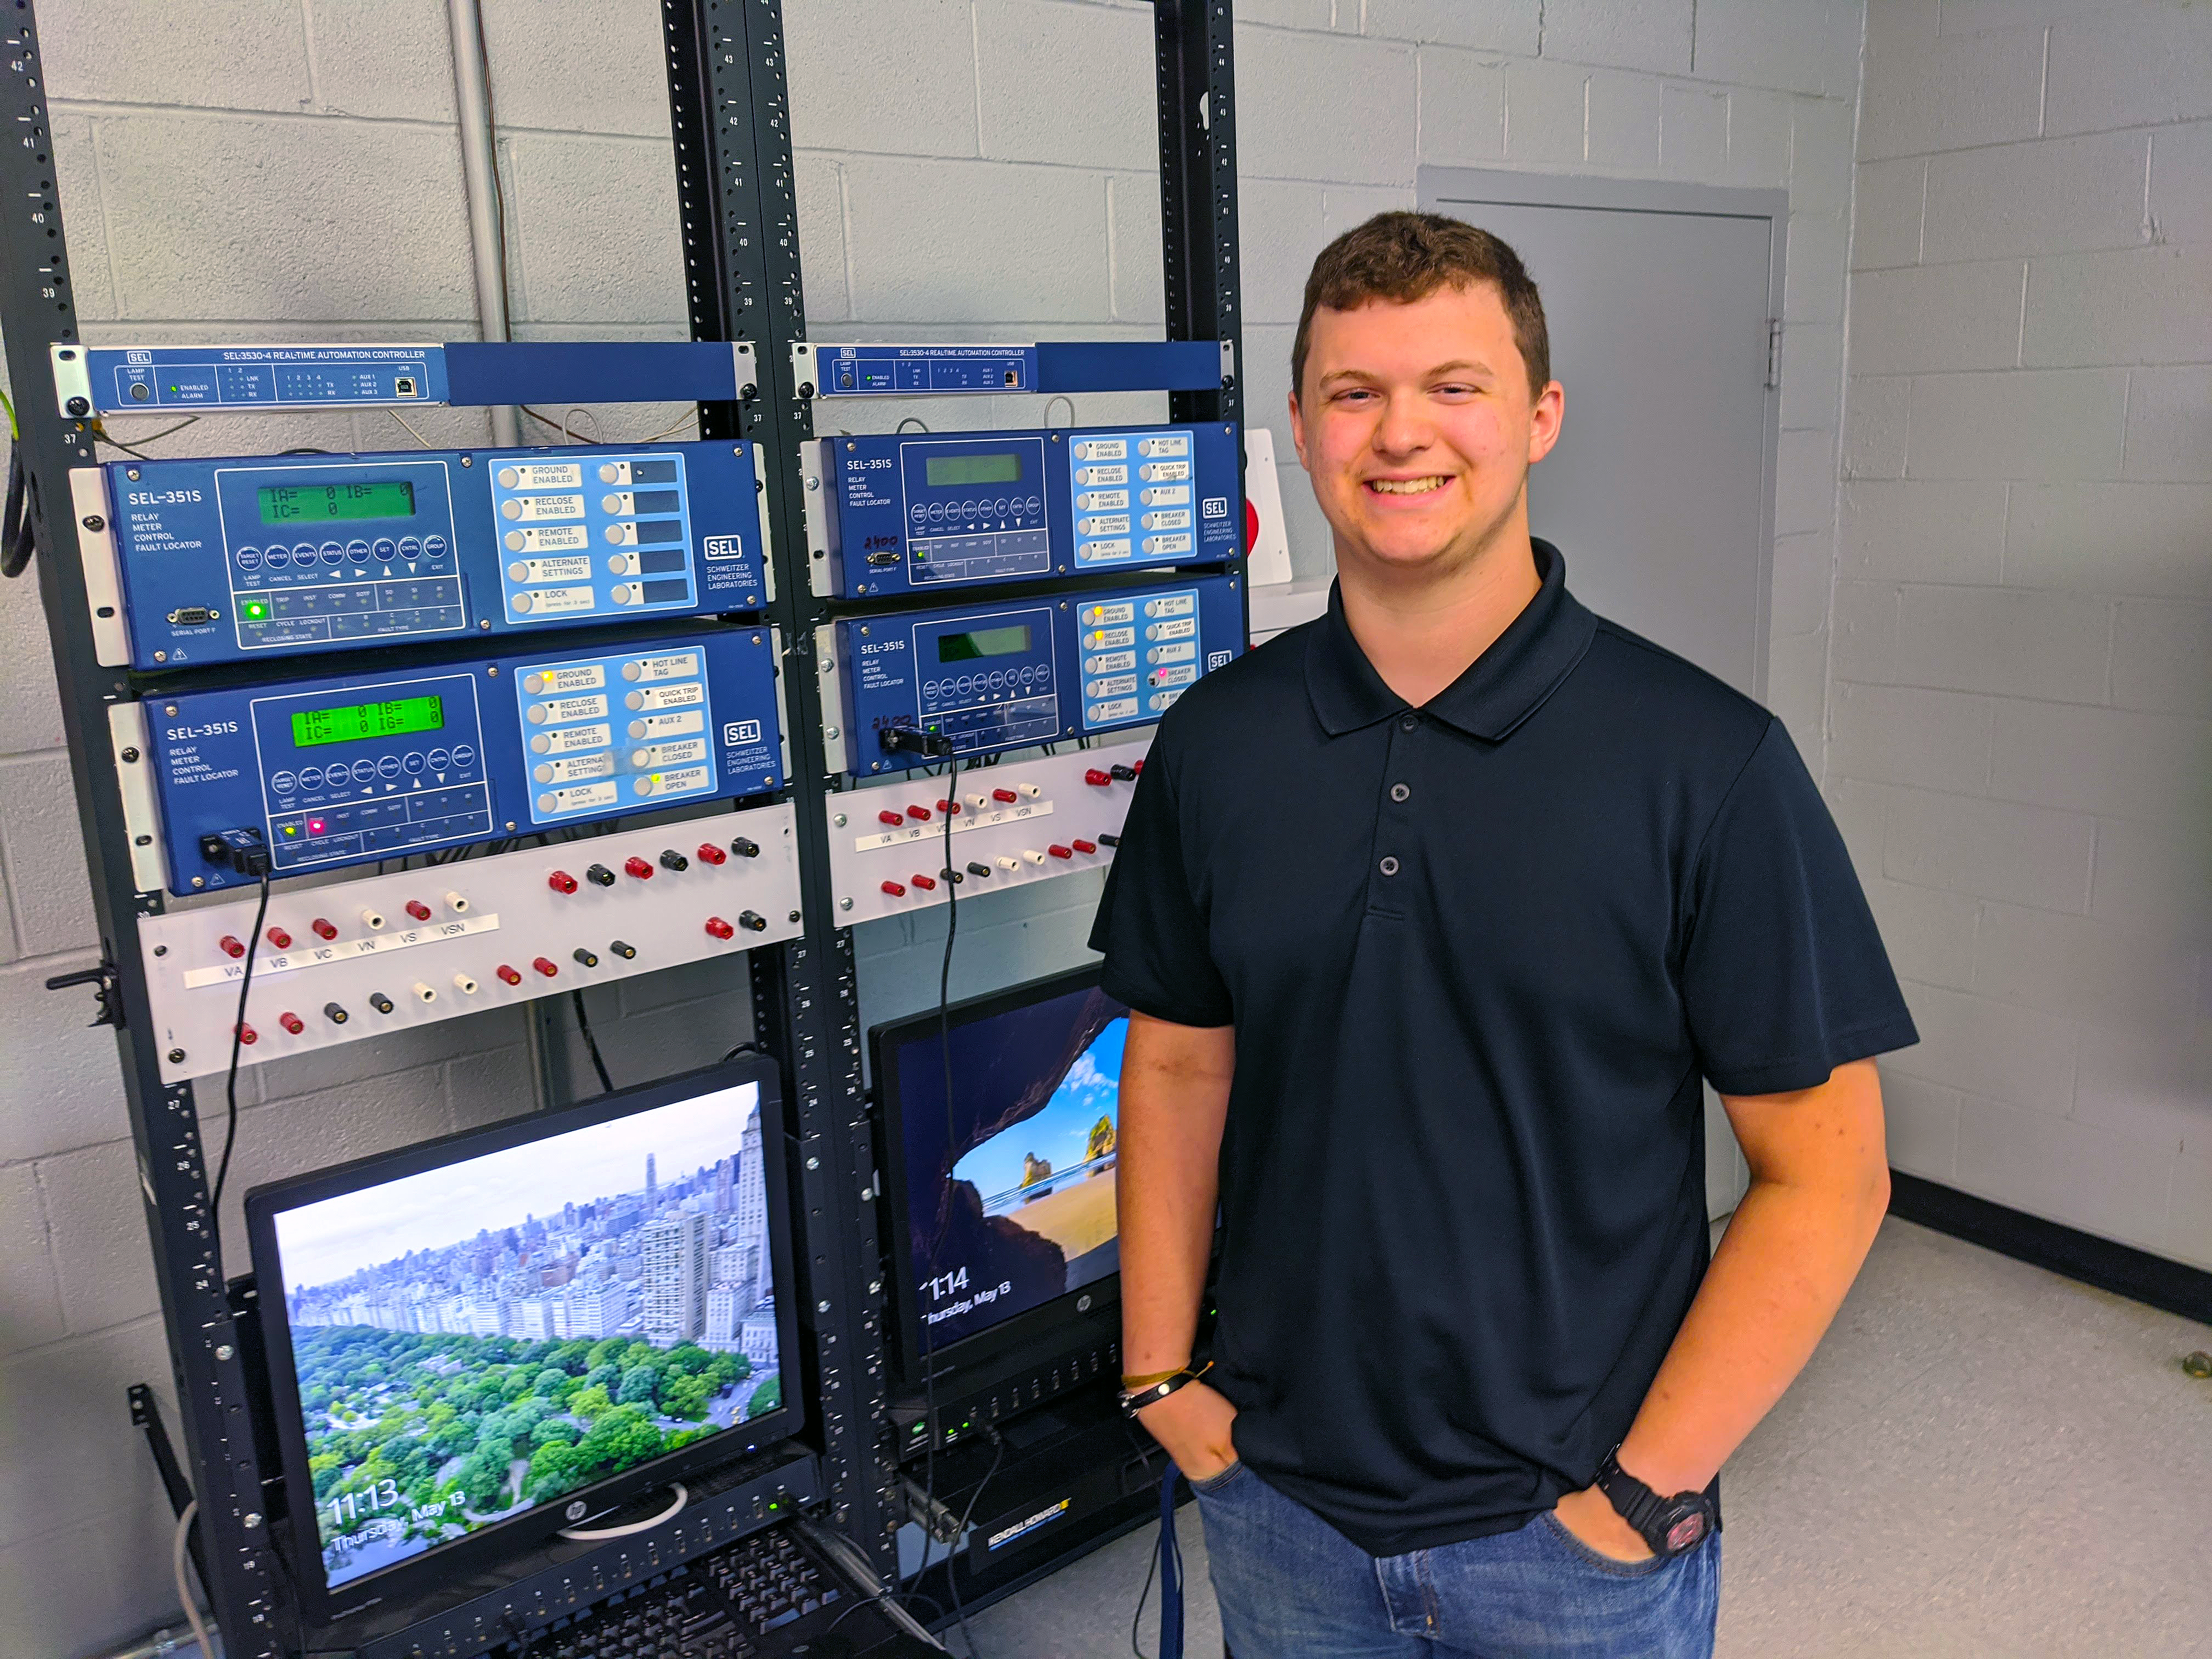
(1390, 866)
(1409, 722)
(1400, 791)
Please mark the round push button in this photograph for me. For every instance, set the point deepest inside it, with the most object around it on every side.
(284, 782)
(434, 546)
(412, 760)
(386, 548)
(522, 602)
(409, 548)
(311, 777)
(630, 671)
(356, 551)
(333, 553)
(617, 564)
(438, 758)
(516, 541)
(388, 768)
(609, 472)
(510, 511)
(518, 572)
(364, 771)
(508, 478)
(464, 756)
(611, 502)
(249, 558)
(304, 553)
(278, 558)
(543, 772)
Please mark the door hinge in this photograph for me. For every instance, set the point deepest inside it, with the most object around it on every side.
(1774, 351)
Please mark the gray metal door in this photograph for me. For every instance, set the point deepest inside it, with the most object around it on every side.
(1660, 492)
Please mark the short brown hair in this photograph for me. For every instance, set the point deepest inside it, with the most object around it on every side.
(1405, 257)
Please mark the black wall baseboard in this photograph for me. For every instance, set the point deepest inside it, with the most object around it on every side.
(2173, 1287)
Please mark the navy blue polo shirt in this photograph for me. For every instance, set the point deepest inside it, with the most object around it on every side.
(1478, 956)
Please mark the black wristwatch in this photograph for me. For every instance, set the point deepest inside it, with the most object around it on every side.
(1671, 1526)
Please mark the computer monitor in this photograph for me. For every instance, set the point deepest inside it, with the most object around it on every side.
(1002, 1206)
(474, 1342)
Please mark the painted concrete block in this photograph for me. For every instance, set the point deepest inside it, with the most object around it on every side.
(1922, 1121)
(1989, 1049)
(1761, 43)
(1992, 849)
(818, 185)
(913, 262)
(1929, 935)
(1928, 319)
(2027, 424)
(2112, 760)
(2150, 305)
(2162, 656)
(1796, 685)
(2150, 877)
(27, 672)
(1812, 375)
(2004, 641)
(1876, 422)
(2181, 185)
(1820, 145)
(1289, 14)
(1927, 531)
(1694, 125)
(394, 61)
(73, 1096)
(89, 1588)
(1140, 294)
(2091, 1178)
(1547, 107)
(1905, 735)
(65, 1462)
(251, 55)
(1865, 623)
(2051, 196)
(44, 854)
(1886, 220)
(1759, 135)
(1625, 120)
(2125, 72)
(102, 1260)
(28, 1289)
(1814, 268)
(2082, 969)
(264, 236)
(2156, 1090)
(1805, 481)
(1949, 93)
(1463, 106)
(1637, 35)
(1804, 570)
(1362, 132)
(559, 67)
(76, 182)
(2143, 539)
(576, 200)
(1065, 84)
(1511, 26)
(2169, 425)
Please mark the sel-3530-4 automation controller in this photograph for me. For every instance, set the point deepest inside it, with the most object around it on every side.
(348, 770)
(908, 514)
(204, 561)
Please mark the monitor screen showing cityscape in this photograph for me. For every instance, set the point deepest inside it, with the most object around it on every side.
(1009, 1198)
(477, 1339)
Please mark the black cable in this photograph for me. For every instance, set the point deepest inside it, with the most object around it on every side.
(237, 1041)
(748, 1047)
(952, 880)
(584, 1024)
(17, 544)
(952, 1573)
(1152, 1571)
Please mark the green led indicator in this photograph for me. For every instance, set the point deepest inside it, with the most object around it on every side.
(255, 610)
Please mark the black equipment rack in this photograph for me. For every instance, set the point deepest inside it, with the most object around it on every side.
(729, 106)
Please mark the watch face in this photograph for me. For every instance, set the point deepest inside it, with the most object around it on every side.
(1685, 1531)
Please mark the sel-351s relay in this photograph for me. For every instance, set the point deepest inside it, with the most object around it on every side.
(204, 561)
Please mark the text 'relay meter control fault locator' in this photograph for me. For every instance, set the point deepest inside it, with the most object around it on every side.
(212, 561)
(913, 514)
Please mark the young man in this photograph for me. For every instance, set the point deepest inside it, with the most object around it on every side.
(1433, 915)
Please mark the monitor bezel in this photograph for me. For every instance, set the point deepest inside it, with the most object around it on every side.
(1033, 1327)
(470, 1557)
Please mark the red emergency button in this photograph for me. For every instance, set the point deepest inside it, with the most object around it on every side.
(1060, 851)
(280, 938)
(421, 911)
(562, 882)
(638, 867)
(894, 889)
(511, 975)
(324, 929)
(1095, 777)
(1086, 848)
(720, 929)
(710, 854)
(291, 1023)
(546, 966)
(926, 884)
(231, 947)
(1005, 795)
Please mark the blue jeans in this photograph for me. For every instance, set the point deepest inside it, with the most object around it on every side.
(1292, 1587)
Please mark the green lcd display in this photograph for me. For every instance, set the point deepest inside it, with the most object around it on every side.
(311, 727)
(329, 503)
(982, 642)
(973, 468)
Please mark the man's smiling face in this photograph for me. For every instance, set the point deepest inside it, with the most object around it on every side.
(1418, 426)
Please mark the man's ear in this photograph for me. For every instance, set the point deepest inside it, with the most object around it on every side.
(1544, 421)
(1298, 430)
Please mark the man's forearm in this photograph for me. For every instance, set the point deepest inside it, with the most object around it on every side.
(1175, 1101)
(1783, 1269)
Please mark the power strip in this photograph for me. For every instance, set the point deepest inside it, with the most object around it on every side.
(352, 959)
(1013, 826)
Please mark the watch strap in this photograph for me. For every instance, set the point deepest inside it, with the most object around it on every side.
(1647, 1512)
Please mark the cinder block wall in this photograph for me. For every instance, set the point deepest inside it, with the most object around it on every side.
(2023, 655)
(288, 169)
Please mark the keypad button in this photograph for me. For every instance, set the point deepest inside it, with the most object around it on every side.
(334, 553)
(356, 551)
(409, 548)
(388, 768)
(440, 760)
(364, 771)
(284, 783)
(249, 558)
(434, 546)
(386, 548)
(464, 756)
(278, 557)
(412, 760)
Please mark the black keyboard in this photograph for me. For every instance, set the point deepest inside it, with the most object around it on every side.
(763, 1595)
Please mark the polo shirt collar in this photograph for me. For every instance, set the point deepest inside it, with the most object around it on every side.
(1500, 689)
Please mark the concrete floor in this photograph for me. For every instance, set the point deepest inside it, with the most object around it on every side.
(1982, 1459)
